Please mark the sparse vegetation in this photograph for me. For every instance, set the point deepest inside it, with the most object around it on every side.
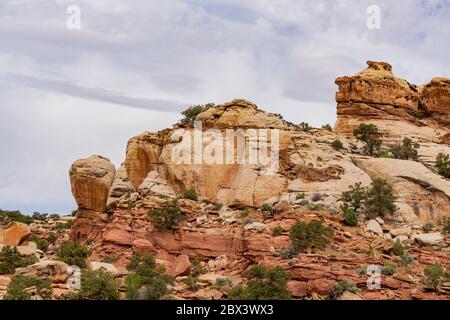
(350, 218)
(337, 145)
(17, 288)
(338, 289)
(9, 216)
(262, 284)
(316, 197)
(191, 113)
(369, 134)
(388, 270)
(42, 244)
(443, 165)
(110, 259)
(428, 227)
(146, 280)
(312, 235)
(289, 253)
(300, 196)
(353, 199)
(327, 127)
(196, 271)
(96, 285)
(73, 253)
(265, 207)
(168, 217)
(10, 259)
(434, 275)
(277, 230)
(222, 282)
(305, 127)
(398, 249)
(406, 150)
(445, 222)
(407, 259)
(191, 194)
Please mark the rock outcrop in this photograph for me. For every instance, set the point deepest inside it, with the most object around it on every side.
(14, 234)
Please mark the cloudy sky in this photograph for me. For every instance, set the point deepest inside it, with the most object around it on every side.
(67, 94)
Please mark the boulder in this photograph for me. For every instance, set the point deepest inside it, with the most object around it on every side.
(95, 265)
(403, 231)
(432, 239)
(55, 271)
(155, 185)
(91, 180)
(14, 234)
(120, 187)
(375, 227)
(181, 266)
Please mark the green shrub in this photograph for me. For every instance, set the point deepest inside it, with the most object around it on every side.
(17, 288)
(406, 150)
(300, 196)
(222, 282)
(304, 203)
(52, 238)
(342, 286)
(398, 249)
(97, 285)
(433, 276)
(191, 113)
(428, 227)
(262, 284)
(350, 218)
(62, 226)
(9, 216)
(337, 145)
(289, 253)
(218, 206)
(190, 194)
(379, 199)
(369, 134)
(265, 207)
(388, 270)
(146, 280)
(244, 213)
(73, 253)
(407, 259)
(310, 235)
(55, 216)
(305, 127)
(196, 270)
(39, 216)
(166, 218)
(327, 127)
(10, 259)
(353, 198)
(443, 165)
(445, 222)
(41, 243)
(277, 230)
(110, 259)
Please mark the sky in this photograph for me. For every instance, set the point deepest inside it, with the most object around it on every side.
(134, 65)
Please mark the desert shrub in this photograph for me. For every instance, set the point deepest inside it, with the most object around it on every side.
(277, 230)
(353, 198)
(262, 284)
(305, 127)
(146, 280)
(379, 199)
(445, 222)
(110, 259)
(433, 276)
(427, 227)
(42, 244)
(74, 213)
(62, 226)
(327, 127)
(217, 206)
(17, 288)
(168, 217)
(388, 270)
(443, 165)
(39, 216)
(342, 286)
(73, 253)
(362, 270)
(55, 216)
(398, 249)
(350, 218)
(337, 145)
(304, 203)
(288, 253)
(97, 285)
(310, 235)
(190, 194)
(191, 113)
(52, 238)
(10, 259)
(316, 207)
(316, 197)
(196, 271)
(265, 207)
(9, 216)
(407, 259)
(300, 196)
(406, 150)
(369, 134)
(222, 282)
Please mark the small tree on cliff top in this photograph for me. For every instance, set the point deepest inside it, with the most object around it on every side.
(369, 134)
